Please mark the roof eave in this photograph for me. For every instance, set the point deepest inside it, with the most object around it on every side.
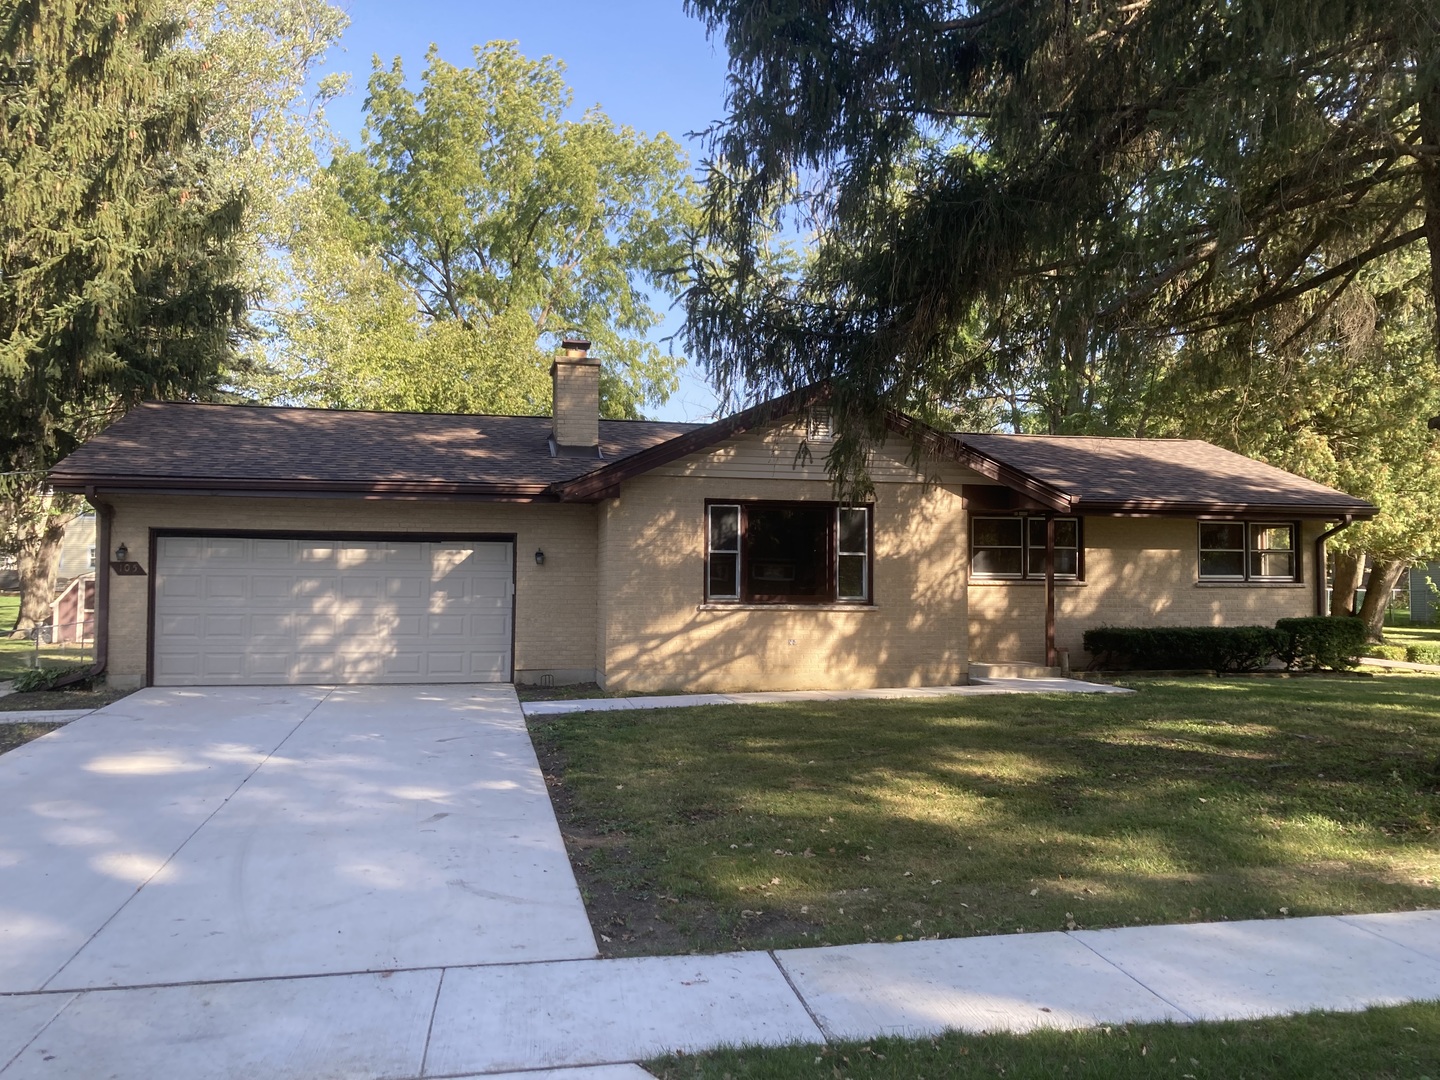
(1201, 508)
(374, 489)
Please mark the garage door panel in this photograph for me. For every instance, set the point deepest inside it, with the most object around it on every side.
(227, 550)
(227, 586)
(490, 666)
(443, 665)
(180, 585)
(233, 626)
(228, 664)
(178, 626)
(404, 588)
(238, 610)
(271, 666)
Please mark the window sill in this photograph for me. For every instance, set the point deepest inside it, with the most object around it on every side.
(1250, 584)
(1060, 583)
(710, 606)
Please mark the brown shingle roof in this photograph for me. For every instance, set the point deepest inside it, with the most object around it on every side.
(1178, 475)
(182, 445)
(191, 447)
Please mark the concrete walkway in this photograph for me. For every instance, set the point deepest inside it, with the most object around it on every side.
(1400, 665)
(977, 688)
(511, 1018)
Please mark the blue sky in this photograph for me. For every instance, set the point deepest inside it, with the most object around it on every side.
(644, 61)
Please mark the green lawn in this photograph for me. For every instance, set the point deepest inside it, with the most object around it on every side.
(781, 825)
(1396, 1042)
(15, 656)
(1412, 635)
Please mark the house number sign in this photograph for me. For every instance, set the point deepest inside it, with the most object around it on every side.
(128, 569)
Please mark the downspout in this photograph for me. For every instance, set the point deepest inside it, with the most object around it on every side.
(104, 514)
(1345, 523)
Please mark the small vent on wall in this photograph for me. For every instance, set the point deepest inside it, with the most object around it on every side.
(817, 424)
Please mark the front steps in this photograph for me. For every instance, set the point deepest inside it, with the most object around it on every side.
(1013, 671)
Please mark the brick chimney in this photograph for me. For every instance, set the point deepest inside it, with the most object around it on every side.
(576, 376)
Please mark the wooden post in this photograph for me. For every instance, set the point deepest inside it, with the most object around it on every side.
(1050, 657)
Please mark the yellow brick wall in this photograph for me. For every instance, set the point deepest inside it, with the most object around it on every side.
(1138, 572)
(555, 604)
(658, 633)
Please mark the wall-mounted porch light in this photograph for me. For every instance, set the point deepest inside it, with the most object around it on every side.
(122, 553)
(539, 557)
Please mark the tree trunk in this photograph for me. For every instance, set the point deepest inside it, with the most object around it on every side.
(1347, 579)
(37, 564)
(1383, 576)
(36, 520)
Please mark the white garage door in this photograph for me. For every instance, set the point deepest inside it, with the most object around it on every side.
(232, 610)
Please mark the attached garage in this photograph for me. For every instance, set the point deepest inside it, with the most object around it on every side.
(237, 610)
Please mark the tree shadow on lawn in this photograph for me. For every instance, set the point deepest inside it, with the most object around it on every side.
(783, 825)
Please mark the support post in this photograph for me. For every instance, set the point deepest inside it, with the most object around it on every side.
(1050, 658)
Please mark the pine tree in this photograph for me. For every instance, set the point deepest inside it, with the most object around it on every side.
(1148, 170)
(119, 258)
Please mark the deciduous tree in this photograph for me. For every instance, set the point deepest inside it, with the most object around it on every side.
(477, 222)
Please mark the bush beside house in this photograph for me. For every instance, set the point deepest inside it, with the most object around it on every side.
(1306, 644)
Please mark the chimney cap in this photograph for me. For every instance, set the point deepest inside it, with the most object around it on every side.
(575, 344)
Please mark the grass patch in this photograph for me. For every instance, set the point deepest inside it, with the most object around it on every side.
(774, 826)
(1412, 635)
(16, 656)
(13, 735)
(1391, 1042)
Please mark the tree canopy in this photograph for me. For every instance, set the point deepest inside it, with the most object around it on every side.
(475, 224)
(1115, 180)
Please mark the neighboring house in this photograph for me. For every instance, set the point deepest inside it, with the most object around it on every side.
(317, 546)
(1424, 584)
(72, 612)
(77, 549)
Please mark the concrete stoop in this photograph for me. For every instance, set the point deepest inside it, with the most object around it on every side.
(984, 672)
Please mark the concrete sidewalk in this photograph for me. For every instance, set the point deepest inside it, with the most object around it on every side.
(499, 1019)
(978, 688)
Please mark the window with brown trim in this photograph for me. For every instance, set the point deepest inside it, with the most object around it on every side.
(787, 553)
(1248, 551)
(1013, 548)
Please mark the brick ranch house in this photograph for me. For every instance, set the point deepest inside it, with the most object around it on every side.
(251, 545)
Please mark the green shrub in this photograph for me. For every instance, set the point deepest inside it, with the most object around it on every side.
(1161, 648)
(43, 678)
(1386, 652)
(1423, 654)
(1322, 642)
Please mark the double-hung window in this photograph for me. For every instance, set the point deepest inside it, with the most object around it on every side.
(787, 553)
(1013, 548)
(1248, 551)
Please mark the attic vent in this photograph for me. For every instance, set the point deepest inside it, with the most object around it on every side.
(817, 424)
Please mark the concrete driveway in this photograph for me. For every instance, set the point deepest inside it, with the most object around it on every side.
(184, 836)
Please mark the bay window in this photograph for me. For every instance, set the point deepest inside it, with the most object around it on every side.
(787, 553)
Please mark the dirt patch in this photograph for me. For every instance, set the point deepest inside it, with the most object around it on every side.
(567, 692)
(62, 699)
(13, 735)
